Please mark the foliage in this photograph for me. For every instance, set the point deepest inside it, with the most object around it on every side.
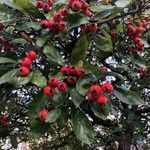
(99, 45)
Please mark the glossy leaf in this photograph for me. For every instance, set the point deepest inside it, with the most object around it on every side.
(100, 111)
(84, 82)
(53, 115)
(38, 79)
(5, 60)
(52, 54)
(128, 97)
(76, 98)
(79, 50)
(8, 76)
(83, 128)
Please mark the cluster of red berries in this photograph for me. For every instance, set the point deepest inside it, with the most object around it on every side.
(77, 5)
(3, 121)
(7, 45)
(54, 83)
(72, 74)
(96, 93)
(56, 24)
(143, 72)
(44, 5)
(43, 114)
(91, 27)
(134, 33)
(26, 63)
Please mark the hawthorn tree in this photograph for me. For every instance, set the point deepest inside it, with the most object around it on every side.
(75, 70)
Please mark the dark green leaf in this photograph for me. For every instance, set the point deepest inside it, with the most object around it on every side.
(52, 53)
(38, 79)
(76, 98)
(17, 81)
(38, 129)
(75, 20)
(128, 97)
(82, 127)
(79, 50)
(100, 111)
(102, 43)
(84, 82)
(8, 76)
(5, 60)
(53, 115)
(36, 105)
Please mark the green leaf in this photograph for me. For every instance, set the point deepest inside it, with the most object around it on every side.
(38, 129)
(79, 50)
(38, 79)
(52, 53)
(53, 115)
(5, 60)
(102, 43)
(63, 119)
(122, 3)
(84, 82)
(76, 19)
(36, 105)
(28, 6)
(100, 8)
(76, 98)
(127, 96)
(8, 76)
(59, 98)
(100, 111)
(82, 127)
(17, 81)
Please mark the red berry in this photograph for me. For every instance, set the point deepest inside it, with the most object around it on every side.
(143, 72)
(64, 11)
(46, 8)
(57, 17)
(49, 91)
(53, 82)
(50, 3)
(62, 86)
(91, 98)
(64, 70)
(131, 28)
(132, 50)
(107, 88)
(85, 5)
(1, 27)
(102, 100)
(23, 71)
(50, 24)
(76, 5)
(43, 114)
(93, 27)
(113, 37)
(26, 62)
(61, 25)
(95, 89)
(71, 80)
(71, 70)
(39, 4)
(32, 55)
(79, 72)
(3, 121)
(44, 24)
(103, 69)
(88, 12)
